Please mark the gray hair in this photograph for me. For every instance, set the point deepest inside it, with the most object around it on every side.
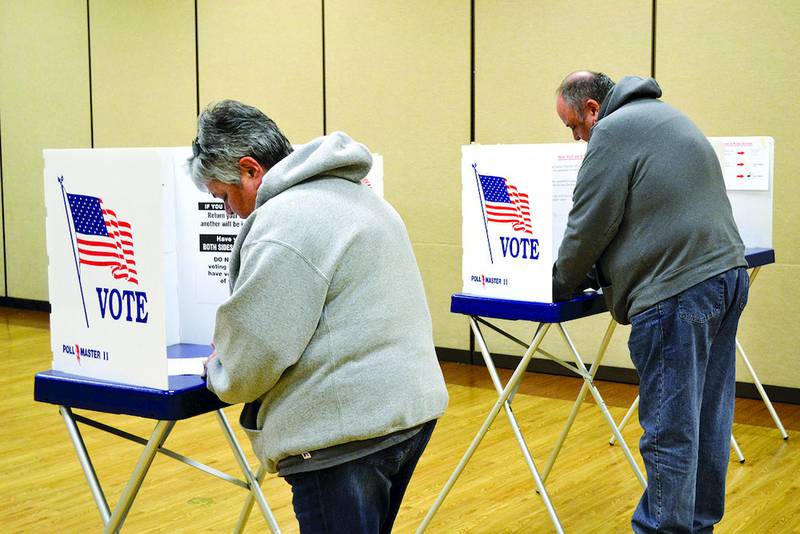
(581, 86)
(228, 131)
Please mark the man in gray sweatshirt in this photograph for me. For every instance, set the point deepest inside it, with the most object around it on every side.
(326, 335)
(652, 224)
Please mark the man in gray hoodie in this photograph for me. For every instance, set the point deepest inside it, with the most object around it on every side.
(326, 335)
(652, 222)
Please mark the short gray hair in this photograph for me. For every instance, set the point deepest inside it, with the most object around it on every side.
(581, 86)
(228, 131)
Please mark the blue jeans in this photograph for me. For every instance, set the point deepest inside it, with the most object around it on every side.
(684, 351)
(362, 496)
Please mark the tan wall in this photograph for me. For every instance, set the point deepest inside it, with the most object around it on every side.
(396, 77)
(733, 69)
(523, 51)
(3, 292)
(276, 67)
(44, 102)
(143, 72)
(398, 80)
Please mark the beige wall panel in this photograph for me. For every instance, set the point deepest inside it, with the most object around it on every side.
(732, 67)
(3, 292)
(44, 103)
(397, 76)
(524, 49)
(277, 67)
(441, 270)
(143, 72)
(768, 327)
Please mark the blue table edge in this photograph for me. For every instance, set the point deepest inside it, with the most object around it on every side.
(559, 312)
(187, 394)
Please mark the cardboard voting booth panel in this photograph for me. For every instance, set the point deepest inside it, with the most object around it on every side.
(747, 165)
(106, 230)
(201, 266)
(138, 260)
(516, 201)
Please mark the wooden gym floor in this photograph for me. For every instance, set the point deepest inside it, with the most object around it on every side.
(42, 488)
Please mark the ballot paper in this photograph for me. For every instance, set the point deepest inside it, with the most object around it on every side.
(186, 366)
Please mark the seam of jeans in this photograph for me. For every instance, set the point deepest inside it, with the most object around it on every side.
(321, 505)
(660, 390)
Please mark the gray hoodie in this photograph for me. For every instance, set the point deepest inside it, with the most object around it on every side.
(649, 206)
(327, 326)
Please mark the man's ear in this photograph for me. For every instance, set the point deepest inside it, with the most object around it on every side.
(592, 106)
(251, 171)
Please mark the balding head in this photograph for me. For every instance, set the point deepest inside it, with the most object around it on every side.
(583, 85)
(580, 97)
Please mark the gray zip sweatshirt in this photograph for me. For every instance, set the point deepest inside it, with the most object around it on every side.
(649, 206)
(327, 327)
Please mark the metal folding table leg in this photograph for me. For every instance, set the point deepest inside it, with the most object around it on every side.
(761, 391)
(752, 371)
(247, 507)
(113, 522)
(252, 480)
(628, 414)
(737, 450)
(125, 502)
(86, 463)
(512, 420)
(581, 397)
(603, 408)
(500, 403)
(633, 407)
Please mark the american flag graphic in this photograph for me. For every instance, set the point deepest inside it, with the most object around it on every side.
(505, 204)
(103, 239)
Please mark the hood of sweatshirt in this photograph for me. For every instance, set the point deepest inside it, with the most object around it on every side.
(334, 155)
(628, 89)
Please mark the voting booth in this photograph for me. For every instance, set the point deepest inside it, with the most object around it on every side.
(515, 205)
(138, 260)
(516, 200)
(138, 264)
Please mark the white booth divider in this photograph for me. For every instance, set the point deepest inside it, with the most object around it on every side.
(516, 200)
(138, 259)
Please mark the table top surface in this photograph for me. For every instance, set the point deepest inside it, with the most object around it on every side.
(559, 312)
(186, 397)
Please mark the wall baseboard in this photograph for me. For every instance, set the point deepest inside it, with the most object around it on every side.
(623, 375)
(25, 304)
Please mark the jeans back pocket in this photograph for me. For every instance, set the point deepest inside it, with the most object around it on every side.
(702, 302)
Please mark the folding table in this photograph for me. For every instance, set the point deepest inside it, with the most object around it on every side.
(546, 315)
(756, 258)
(186, 397)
